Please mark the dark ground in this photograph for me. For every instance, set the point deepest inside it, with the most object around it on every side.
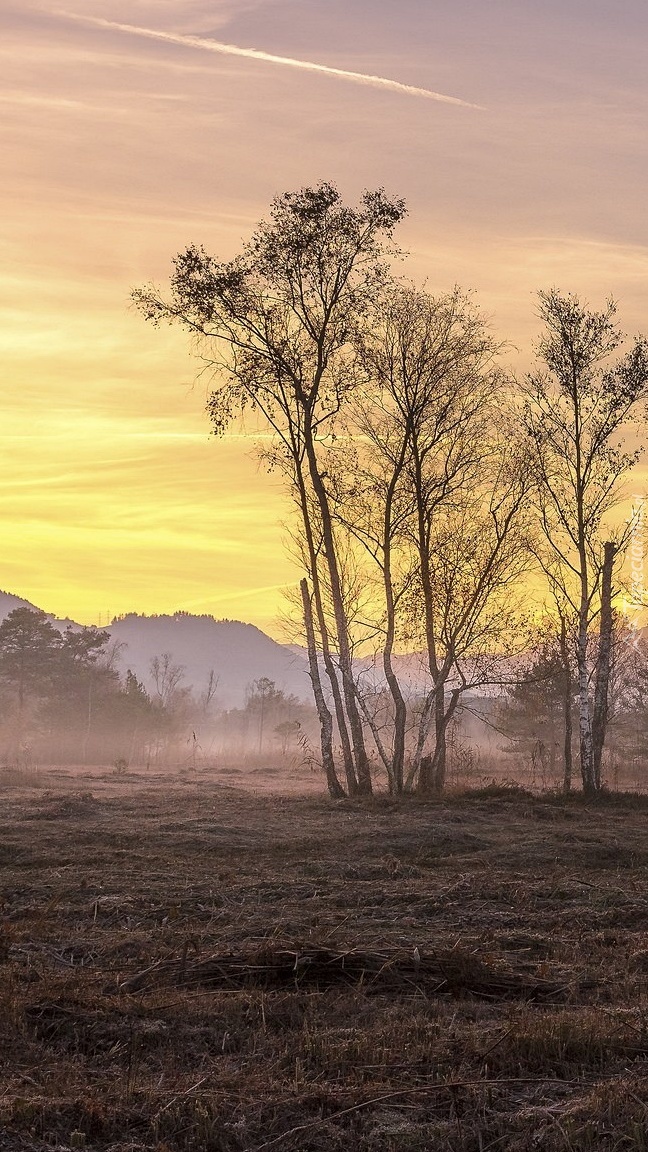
(185, 965)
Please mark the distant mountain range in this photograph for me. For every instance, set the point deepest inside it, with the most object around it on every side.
(237, 653)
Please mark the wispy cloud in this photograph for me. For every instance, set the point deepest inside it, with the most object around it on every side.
(53, 103)
(268, 58)
(228, 597)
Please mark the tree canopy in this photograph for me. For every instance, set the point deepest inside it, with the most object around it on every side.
(427, 480)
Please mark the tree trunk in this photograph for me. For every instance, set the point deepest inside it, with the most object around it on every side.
(603, 664)
(88, 724)
(325, 719)
(567, 708)
(400, 707)
(584, 715)
(432, 769)
(584, 710)
(420, 763)
(442, 717)
(436, 698)
(437, 762)
(382, 751)
(344, 648)
(329, 664)
(340, 717)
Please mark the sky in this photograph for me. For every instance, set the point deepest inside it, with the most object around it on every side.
(516, 131)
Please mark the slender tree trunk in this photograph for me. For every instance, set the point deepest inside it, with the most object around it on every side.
(567, 708)
(325, 719)
(261, 720)
(568, 755)
(432, 765)
(400, 725)
(432, 768)
(438, 765)
(329, 664)
(443, 716)
(400, 707)
(344, 647)
(419, 765)
(436, 697)
(584, 712)
(383, 752)
(603, 664)
(88, 724)
(584, 725)
(340, 717)
(552, 756)
(428, 597)
(20, 718)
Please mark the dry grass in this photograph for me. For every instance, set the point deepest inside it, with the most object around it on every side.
(186, 967)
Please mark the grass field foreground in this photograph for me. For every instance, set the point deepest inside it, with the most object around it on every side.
(190, 966)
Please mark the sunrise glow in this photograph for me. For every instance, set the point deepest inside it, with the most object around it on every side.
(516, 133)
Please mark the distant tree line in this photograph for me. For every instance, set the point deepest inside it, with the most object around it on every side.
(63, 700)
(539, 714)
(63, 688)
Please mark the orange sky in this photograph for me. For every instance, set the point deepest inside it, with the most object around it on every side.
(120, 147)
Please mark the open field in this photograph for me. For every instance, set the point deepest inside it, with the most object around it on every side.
(190, 966)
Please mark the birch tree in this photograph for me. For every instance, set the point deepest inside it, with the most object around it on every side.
(582, 410)
(435, 495)
(275, 326)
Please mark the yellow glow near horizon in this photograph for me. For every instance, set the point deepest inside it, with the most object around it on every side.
(120, 150)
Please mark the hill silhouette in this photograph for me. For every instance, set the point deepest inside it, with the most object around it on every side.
(237, 653)
(9, 602)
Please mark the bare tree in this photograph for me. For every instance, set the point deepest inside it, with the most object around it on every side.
(172, 705)
(471, 570)
(167, 678)
(275, 326)
(580, 406)
(434, 495)
(208, 694)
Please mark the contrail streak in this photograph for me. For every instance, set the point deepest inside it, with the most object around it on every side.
(268, 58)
